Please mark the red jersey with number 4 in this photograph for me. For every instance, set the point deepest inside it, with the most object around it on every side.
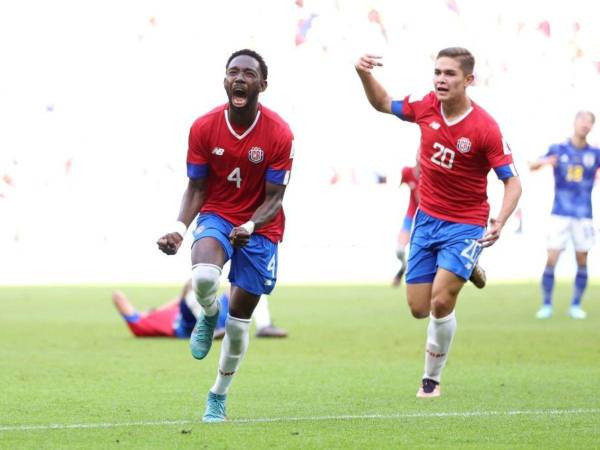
(456, 157)
(238, 163)
(411, 180)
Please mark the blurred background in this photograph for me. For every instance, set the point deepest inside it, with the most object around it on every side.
(96, 101)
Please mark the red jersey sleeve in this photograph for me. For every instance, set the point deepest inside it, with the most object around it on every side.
(197, 154)
(498, 152)
(280, 166)
(412, 107)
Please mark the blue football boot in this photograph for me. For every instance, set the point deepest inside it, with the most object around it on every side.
(215, 408)
(202, 336)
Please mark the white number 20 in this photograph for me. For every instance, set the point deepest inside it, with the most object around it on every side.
(235, 177)
(471, 252)
(444, 157)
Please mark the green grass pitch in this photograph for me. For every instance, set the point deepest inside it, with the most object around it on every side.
(71, 376)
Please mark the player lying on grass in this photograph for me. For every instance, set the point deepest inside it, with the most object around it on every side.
(177, 317)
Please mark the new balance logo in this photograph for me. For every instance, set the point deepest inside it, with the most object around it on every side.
(218, 151)
(435, 125)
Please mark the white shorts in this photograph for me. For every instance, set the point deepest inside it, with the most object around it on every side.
(563, 228)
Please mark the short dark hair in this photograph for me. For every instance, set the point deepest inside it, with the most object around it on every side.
(251, 53)
(589, 113)
(464, 57)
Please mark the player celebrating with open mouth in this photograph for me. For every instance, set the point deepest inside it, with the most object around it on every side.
(238, 164)
(460, 144)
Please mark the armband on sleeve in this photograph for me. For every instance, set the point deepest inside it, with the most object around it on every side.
(506, 171)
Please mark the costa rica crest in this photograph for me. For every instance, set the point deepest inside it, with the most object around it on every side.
(463, 145)
(256, 155)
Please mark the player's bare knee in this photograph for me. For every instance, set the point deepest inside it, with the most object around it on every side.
(581, 258)
(419, 309)
(418, 297)
(420, 313)
(205, 282)
(552, 258)
(441, 306)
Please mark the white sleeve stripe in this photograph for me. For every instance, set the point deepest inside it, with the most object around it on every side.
(286, 178)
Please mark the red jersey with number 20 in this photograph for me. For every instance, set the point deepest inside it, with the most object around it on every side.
(455, 159)
(237, 164)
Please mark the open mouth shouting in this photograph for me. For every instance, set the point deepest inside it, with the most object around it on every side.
(441, 90)
(239, 95)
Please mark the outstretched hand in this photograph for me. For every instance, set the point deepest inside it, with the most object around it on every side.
(170, 243)
(492, 234)
(367, 62)
(551, 160)
(239, 237)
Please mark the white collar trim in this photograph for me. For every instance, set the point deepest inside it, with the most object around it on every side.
(458, 119)
(250, 128)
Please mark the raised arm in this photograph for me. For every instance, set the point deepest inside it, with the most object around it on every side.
(544, 161)
(512, 193)
(192, 200)
(376, 94)
(240, 236)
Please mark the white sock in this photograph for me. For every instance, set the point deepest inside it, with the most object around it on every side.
(439, 337)
(205, 284)
(261, 314)
(233, 350)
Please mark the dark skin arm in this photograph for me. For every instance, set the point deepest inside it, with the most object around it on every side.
(192, 200)
(239, 236)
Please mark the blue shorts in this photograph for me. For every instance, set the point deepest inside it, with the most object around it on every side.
(254, 266)
(407, 223)
(436, 243)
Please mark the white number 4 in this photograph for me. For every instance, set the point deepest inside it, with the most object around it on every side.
(271, 266)
(235, 177)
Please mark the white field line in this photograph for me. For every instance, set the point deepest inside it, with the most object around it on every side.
(540, 412)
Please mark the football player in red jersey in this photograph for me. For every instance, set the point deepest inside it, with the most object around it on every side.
(460, 144)
(238, 164)
(173, 319)
(410, 177)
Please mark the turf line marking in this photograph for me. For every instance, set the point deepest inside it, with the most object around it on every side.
(541, 412)
(546, 412)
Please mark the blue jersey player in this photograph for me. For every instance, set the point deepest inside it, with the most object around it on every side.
(575, 164)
